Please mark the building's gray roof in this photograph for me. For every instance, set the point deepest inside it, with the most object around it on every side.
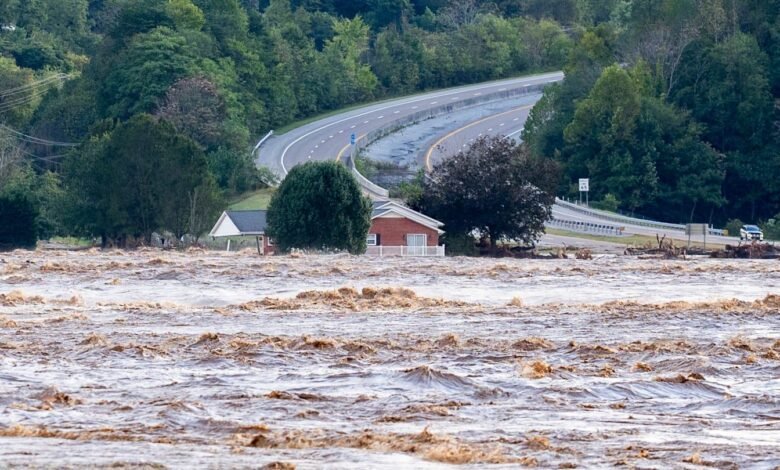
(376, 209)
(249, 221)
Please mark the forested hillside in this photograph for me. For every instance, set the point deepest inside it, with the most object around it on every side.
(671, 108)
(122, 117)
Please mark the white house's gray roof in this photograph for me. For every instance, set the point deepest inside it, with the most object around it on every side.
(248, 221)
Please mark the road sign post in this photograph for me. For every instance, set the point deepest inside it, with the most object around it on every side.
(584, 188)
(696, 229)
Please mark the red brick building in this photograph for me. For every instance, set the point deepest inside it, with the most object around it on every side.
(395, 230)
(398, 230)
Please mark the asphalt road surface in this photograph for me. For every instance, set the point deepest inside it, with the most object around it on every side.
(329, 138)
(509, 123)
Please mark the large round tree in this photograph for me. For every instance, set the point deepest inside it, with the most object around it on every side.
(319, 206)
(495, 188)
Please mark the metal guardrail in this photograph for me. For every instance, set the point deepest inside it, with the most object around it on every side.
(622, 219)
(262, 141)
(579, 226)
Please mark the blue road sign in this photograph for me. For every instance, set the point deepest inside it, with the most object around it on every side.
(352, 139)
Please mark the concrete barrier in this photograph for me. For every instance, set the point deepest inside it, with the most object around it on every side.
(398, 124)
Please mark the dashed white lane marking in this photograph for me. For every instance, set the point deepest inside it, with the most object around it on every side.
(414, 107)
(352, 127)
(454, 98)
(341, 132)
(502, 89)
(490, 130)
(501, 125)
(477, 94)
(434, 102)
(544, 78)
(316, 146)
(380, 117)
(396, 112)
(365, 122)
(480, 135)
(516, 119)
(330, 137)
(471, 140)
(322, 141)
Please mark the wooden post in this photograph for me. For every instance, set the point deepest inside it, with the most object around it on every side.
(228, 245)
(259, 251)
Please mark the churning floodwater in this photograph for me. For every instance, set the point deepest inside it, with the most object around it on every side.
(224, 360)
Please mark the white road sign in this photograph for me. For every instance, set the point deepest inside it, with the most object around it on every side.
(584, 184)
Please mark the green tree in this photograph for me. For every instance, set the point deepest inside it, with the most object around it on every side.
(141, 74)
(351, 79)
(645, 152)
(544, 129)
(19, 228)
(133, 17)
(226, 19)
(726, 87)
(19, 94)
(140, 177)
(319, 205)
(397, 59)
(496, 188)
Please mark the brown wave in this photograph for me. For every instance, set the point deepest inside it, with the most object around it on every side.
(426, 375)
(16, 297)
(535, 369)
(769, 304)
(427, 445)
(348, 298)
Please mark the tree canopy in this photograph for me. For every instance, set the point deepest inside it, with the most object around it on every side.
(319, 206)
(139, 178)
(495, 188)
(670, 107)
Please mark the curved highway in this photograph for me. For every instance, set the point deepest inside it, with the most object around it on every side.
(329, 138)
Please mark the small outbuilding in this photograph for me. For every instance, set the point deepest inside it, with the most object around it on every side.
(244, 224)
(396, 230)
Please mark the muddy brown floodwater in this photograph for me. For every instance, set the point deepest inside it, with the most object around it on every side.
(203, 359)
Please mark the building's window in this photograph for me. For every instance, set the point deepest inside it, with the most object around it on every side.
(371, 239)
(416, 239)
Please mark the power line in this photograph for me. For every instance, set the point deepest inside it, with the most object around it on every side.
(18, 101)
(39, 83)
(35, 140)
(46, 158)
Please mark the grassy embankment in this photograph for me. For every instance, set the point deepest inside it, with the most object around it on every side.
(254, 200)
(630, 240)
